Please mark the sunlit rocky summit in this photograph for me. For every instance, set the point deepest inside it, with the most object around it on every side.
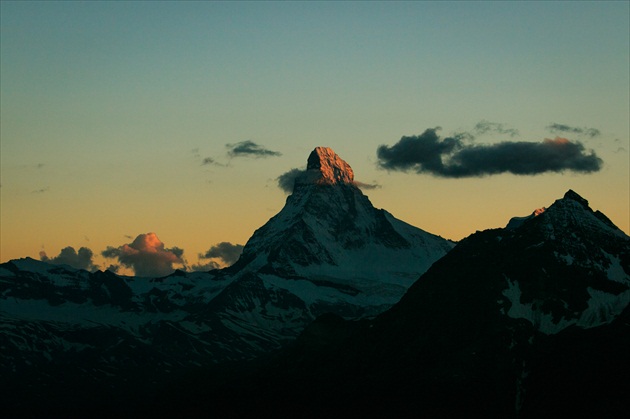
(325, 167)
(329, 233)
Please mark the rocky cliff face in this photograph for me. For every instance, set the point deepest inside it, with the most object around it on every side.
(327, 168)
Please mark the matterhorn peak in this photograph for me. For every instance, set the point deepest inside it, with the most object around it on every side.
(325, 167)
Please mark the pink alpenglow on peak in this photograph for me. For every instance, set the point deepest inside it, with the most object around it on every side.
(329, 168)
(539, 211)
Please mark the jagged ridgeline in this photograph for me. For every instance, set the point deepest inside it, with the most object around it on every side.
(527, 321)
(328, 250)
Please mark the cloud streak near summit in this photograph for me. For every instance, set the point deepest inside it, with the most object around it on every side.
(451, 157)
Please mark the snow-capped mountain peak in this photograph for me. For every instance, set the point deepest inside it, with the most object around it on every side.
(328, 221)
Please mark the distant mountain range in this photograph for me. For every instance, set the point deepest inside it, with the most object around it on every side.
(65, 331)
(334, 309)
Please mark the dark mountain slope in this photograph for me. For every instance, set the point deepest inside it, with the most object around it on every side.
(530, 321)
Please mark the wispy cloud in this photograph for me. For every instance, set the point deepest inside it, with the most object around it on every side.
(619, 149)
(484, 127)
(566, 129)
(205, 267)
(209, 161)
(146, 255)
(41, 190)
(69, 256)
(367, 186)
(250, 149)
(452, 157)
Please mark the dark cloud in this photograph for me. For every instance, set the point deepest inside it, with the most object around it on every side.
(484, 127)
(250, 149)
(225, 251)
(146, 255)
(589, 132)
(205, 267)
(452, 157)
(69, 256)
(422, 153)
(287, 179)
(113, 268)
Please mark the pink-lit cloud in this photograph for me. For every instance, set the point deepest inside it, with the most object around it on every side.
(147, 256)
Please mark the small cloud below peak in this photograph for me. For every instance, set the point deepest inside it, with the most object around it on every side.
(226, 252)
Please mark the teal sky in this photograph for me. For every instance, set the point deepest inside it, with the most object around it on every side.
(108, 110)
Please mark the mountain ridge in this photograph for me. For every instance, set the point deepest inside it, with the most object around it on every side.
(461, 341)
(327, 250)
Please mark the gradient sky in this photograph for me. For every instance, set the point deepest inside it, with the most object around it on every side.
(116, 116)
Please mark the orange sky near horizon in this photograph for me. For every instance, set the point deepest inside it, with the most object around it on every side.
(122, 118)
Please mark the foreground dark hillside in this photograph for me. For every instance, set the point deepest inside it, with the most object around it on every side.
(577, 373)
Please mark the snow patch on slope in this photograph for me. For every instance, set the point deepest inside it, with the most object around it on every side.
(603, 307)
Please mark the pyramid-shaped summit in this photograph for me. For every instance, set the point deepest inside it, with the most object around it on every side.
(327, 251)
(329, 228)
(328, 168)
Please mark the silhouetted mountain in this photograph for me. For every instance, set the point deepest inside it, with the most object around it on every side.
(527, 321)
